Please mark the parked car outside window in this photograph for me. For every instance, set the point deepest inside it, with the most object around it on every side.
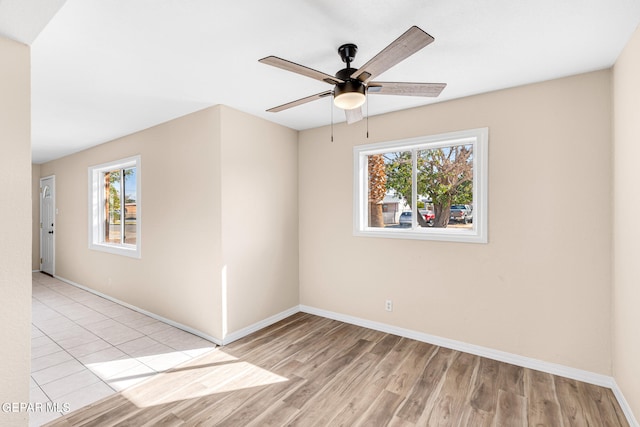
(405, 217)
(461, 213)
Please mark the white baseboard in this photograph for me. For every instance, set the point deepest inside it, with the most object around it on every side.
(229, 338)
(142, 311)
(624, 405)
(234, 336)
(502, 356)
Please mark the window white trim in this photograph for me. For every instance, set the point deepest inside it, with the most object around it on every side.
(96, 215)
(479, 138)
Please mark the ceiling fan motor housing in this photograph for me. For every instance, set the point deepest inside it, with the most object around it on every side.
(349, 85)
(351, 93)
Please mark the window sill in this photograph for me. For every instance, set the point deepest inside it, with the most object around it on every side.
(129, 251)
(433, 234)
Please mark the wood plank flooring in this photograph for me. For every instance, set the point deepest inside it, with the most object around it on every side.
(311, 371)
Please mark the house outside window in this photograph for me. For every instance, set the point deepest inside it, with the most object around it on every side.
(114, 207)
(430, 188)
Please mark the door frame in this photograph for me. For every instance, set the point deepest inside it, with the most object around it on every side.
(41, 228)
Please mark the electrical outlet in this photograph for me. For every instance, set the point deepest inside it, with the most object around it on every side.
(388, 305)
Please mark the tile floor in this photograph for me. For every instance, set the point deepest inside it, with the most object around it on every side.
(85, 347)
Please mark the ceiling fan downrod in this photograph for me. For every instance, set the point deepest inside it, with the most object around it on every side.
(351, 93)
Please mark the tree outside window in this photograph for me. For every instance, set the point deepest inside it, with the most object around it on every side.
(444, 178)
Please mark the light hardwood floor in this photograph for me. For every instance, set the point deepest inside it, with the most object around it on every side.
(308, 370)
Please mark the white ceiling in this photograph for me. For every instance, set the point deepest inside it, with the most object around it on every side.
(103, 69)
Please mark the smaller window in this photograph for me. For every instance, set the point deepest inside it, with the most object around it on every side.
(429, 188)
(114, 207)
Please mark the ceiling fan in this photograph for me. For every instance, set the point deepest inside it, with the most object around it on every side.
(351, 85)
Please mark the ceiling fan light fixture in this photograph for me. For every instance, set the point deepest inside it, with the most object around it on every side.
(349, 95)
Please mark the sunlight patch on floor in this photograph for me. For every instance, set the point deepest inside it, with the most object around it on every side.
(122, 373)
(215, 373)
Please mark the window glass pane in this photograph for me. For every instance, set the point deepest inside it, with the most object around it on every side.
(130, 206)
(112, 207)
(389, 189)
(445, 185)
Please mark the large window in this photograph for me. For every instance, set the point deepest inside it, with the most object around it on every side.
(114, 207)
(431, 188)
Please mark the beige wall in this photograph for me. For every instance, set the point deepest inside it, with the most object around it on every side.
(175, 278)
(626, 237)
(259, 217)
(15, 220)
(541, 286)
(211, 206)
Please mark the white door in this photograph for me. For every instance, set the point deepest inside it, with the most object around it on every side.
(47, 224)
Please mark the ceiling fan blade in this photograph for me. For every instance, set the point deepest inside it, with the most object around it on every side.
(299, 101)
(300, 69)
(406, 89)
(404, 46)
(353, 115)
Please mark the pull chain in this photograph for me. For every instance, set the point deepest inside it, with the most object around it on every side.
(367, 94)
(331, 106)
